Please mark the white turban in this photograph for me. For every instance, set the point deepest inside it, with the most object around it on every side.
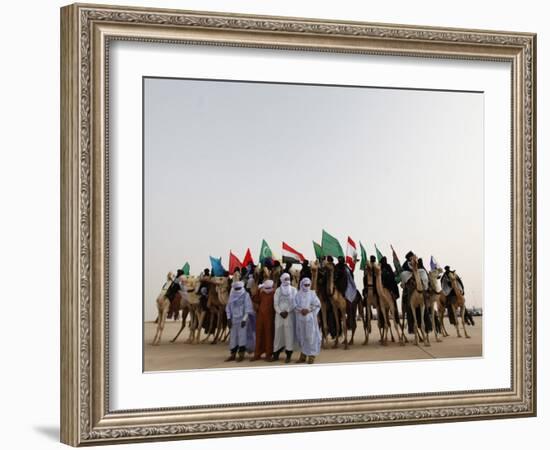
(267, 286)
(236, 291)
(303, 282)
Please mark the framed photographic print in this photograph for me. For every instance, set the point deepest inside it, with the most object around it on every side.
(292, 224)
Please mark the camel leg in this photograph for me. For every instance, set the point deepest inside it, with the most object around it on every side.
(192, 325)
(211, 327)
(456, 321)
(425, 334)
(345, 327)
(437, 337)
(441, 312)
(160, 327)
(354, 324)
(361, 313)
(218, 328)
(337, 320)
(181, 329)
(199, 327)
(462, 312)
(389, 315)
(325, 324)
(383, 331)
(395, 316)
(415, 326)
(367, 324)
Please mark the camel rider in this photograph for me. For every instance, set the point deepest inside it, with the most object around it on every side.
(446, 282)
(267, 268)
(306, 270)
(177, 287)
(203, 290)
(388, 278)
(340, 275)
(406, 273)
(369, 270)
(343, 279)
(288, 266)
(423, 275)
(276, 271)
(238, 310)
(284, 304)
(308, 333)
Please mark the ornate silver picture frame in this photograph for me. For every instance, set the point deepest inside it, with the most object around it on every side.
(87, 34)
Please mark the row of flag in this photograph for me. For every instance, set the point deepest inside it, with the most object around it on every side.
(329, 246)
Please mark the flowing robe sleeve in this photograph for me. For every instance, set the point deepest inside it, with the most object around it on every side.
(248, 308)
(314, 304)
(228, 311)
(276, 301)
(292, 302)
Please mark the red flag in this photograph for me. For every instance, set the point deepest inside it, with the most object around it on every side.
(290, 255)
(234, 263)
(247, 258)
(351, 254)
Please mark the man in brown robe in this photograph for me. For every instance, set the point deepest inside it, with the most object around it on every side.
(265, 317)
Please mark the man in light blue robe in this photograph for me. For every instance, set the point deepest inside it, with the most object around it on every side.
(239, 310)
(308, 334)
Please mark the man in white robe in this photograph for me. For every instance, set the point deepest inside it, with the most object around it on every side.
(238, 309)
(284, 305)
(308, 334)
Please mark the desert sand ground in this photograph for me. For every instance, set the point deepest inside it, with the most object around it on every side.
(183, 356)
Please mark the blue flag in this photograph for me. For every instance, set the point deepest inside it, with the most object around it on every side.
(217, 268)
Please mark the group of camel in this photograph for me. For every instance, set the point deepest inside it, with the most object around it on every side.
(211, 317)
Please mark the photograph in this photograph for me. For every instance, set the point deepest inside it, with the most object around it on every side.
(293, 223)
(281, 224)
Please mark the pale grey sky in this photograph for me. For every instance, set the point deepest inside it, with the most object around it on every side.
(227, 164)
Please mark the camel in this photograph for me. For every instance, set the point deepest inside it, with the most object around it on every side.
(386, 309)
(371, 301)
(217, 300)
(190, 306)
(295, 276)
(416, 300)
(339, 305)
(460, 302)
(318, 286)
(163, 305)
(437, 298)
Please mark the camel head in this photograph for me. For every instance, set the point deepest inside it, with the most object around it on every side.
(170, 276)
(434, 276)
(414, 262)
(328, 265)
(191, 282)
(376, 269)
(257, 271)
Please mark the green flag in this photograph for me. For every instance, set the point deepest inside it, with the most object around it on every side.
(318, 251)
(363, 265)
(379, 255)
(331, 246)
(186, 268)
(265, 251)
(397, 265)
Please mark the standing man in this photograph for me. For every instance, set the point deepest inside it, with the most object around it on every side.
(265, 318)
(284, 304)
(308, 333)
(238, 309)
